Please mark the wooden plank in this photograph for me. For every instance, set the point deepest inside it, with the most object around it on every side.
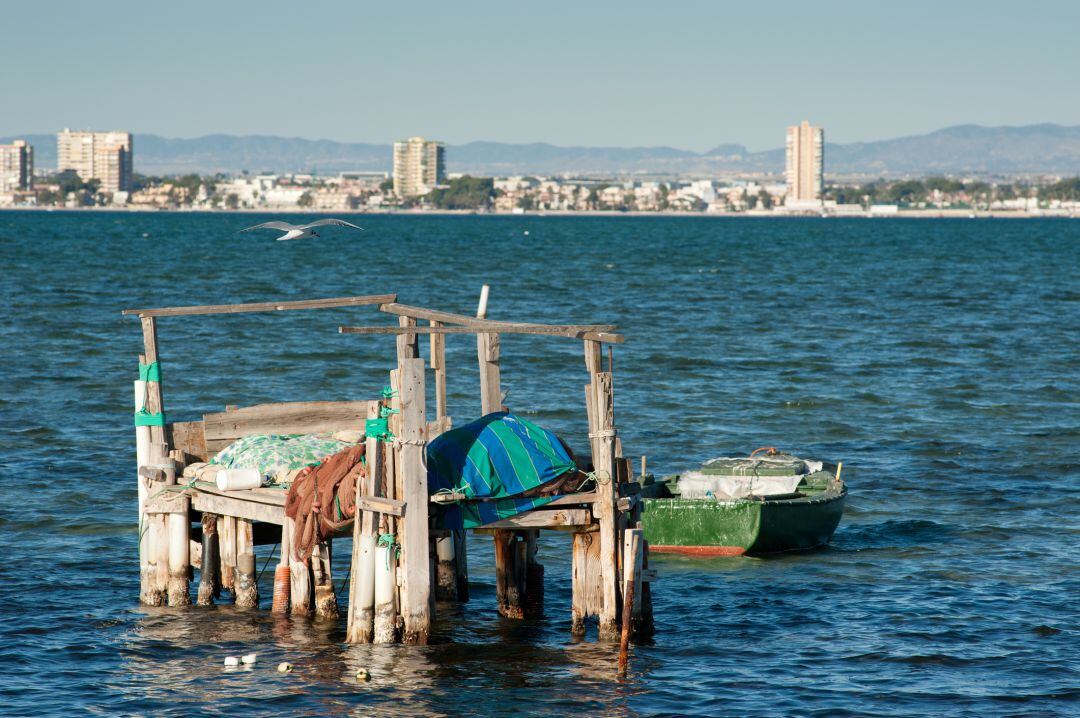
(295, 417)
(327, 303)
(588, 335)
(415, 545)
(228, 506)
(538, 519)
(187, 436)
(268, 496)
(482, 322)
(381, 505)
(587, 497)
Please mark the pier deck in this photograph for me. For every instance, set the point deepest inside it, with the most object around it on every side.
(401, 561)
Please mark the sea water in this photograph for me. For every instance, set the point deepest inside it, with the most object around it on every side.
(938, 359)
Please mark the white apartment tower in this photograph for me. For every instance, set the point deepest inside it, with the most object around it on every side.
(805, 163)
(104, 156)
(16, 167)
(419, 165)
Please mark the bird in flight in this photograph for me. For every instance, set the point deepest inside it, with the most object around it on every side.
(301, 231)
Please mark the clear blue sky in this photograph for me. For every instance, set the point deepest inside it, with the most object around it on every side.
(684, 74)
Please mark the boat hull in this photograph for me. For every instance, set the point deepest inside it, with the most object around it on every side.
(702, 527)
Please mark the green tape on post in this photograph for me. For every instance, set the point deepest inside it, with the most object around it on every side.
(150, 372)
(145, 418)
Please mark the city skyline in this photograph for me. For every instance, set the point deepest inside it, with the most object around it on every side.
(644, 76)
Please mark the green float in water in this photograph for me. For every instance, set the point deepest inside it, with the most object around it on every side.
(742, 506)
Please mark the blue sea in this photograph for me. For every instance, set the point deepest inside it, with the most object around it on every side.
(938, 359)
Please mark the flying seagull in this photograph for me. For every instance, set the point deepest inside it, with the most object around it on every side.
(300, 231)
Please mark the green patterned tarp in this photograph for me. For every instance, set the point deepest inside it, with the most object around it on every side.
(274, 455)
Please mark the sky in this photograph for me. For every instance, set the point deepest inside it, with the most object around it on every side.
(683, 74)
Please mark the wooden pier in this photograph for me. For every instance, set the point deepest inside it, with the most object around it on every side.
(401, 564)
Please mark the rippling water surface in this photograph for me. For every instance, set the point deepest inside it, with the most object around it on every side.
(938, 359)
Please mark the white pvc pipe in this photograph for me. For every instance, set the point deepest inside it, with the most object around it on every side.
(384, 577)
(238, 479)
(179, 544)
(481, 309)
(444, 547)
(367, 572)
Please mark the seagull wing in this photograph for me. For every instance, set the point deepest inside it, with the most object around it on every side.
(334, 222)
(283, 226)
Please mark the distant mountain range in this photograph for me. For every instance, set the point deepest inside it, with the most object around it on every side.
(1044, 148)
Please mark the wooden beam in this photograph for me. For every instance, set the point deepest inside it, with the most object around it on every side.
(538, 519)
(571, 333)
(328, 303)
(484, 323)
(293, 417)
(380, 505)
(238, 508)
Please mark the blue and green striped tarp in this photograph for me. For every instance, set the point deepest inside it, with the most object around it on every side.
(493, 460)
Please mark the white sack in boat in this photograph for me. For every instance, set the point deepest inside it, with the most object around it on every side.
(696, 485)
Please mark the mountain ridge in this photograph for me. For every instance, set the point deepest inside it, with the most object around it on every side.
(958, 149)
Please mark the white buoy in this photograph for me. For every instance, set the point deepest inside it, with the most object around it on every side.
(231, 661)
(249, 659)
(362, 674)
(284, 667)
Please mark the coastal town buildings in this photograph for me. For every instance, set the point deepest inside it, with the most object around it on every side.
(805, 151)
(419, 166)
(16, 167)
(103, 156)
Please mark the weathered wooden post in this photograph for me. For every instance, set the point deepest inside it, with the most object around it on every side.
(386, 554)
(246, 587)
(151, 448)
(606, 471)
(414, 538)
(208, 575)
(300, 599)
(325, 597)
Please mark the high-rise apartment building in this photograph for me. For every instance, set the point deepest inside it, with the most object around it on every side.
(805, 162)
(104, 156)
(419, 165)
(16, 166)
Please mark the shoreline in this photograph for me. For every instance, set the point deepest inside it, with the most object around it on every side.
(902, 214)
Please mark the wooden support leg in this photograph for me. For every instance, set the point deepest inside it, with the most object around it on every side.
(446, 570)
(247, 588)
(606, 472)
(507, 572)
(227, 551)
(208, 574)
(325, 598)
(300, 603)
(632, 550)
(461, 565)
(587, 592)
(179, 523)
(416, 610)
(534, 576)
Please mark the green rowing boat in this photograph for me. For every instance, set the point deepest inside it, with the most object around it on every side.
(752, 505)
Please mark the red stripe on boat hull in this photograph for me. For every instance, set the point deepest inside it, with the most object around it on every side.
(700, 550)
